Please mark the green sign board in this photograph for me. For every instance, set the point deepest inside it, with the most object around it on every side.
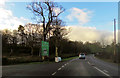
(45, 48)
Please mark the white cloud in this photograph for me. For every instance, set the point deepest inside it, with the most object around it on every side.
(82, 15)
(56, 10)
(2, 2)
(91, 34)
(9, 21)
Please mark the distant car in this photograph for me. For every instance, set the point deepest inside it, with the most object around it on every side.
(81, 56)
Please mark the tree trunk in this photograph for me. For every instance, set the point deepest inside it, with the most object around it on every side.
(44, 37)
(40, 54)
(11, 52)
(32, 51)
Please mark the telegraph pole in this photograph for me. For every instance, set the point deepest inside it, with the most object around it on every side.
(115, 57)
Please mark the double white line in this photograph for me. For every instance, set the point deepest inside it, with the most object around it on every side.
(88, 62)
(102, 71)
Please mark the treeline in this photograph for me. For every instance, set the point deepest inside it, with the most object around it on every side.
(66, 48)
(18, 45)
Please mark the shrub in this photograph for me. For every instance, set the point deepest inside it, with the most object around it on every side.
(5, 61)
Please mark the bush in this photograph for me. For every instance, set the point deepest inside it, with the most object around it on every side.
(51, 57)
(18, 60)
(5, 61)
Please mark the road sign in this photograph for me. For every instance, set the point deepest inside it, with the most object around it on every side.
(45, 48)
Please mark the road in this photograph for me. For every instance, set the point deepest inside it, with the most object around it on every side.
(90, 66)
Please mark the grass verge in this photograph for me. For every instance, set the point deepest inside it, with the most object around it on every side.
(29, 60)
(47, 62)
(107, 60)
(70, 58)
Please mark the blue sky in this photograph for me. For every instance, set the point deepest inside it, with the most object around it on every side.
(103, 13)
(102, 16)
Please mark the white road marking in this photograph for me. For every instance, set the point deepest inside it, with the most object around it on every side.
(63, 66)
(94, 56)
(59, 69)
(102, 71)
(88, 62)
(54, 73)
(105, 71)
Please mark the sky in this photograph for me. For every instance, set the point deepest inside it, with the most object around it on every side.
(88, 21)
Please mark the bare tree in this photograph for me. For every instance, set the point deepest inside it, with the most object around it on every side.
(21, 33)
(9, 39)
(33, 35)
(59, 31)
(6, 36)
(45, 13)
(14, 41)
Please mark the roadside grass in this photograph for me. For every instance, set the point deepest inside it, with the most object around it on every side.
(44, 62)
(107, 60)
(14, 60)
(70, 58)
(47, 62)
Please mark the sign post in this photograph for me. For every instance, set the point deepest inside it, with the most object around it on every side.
(45, 49)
